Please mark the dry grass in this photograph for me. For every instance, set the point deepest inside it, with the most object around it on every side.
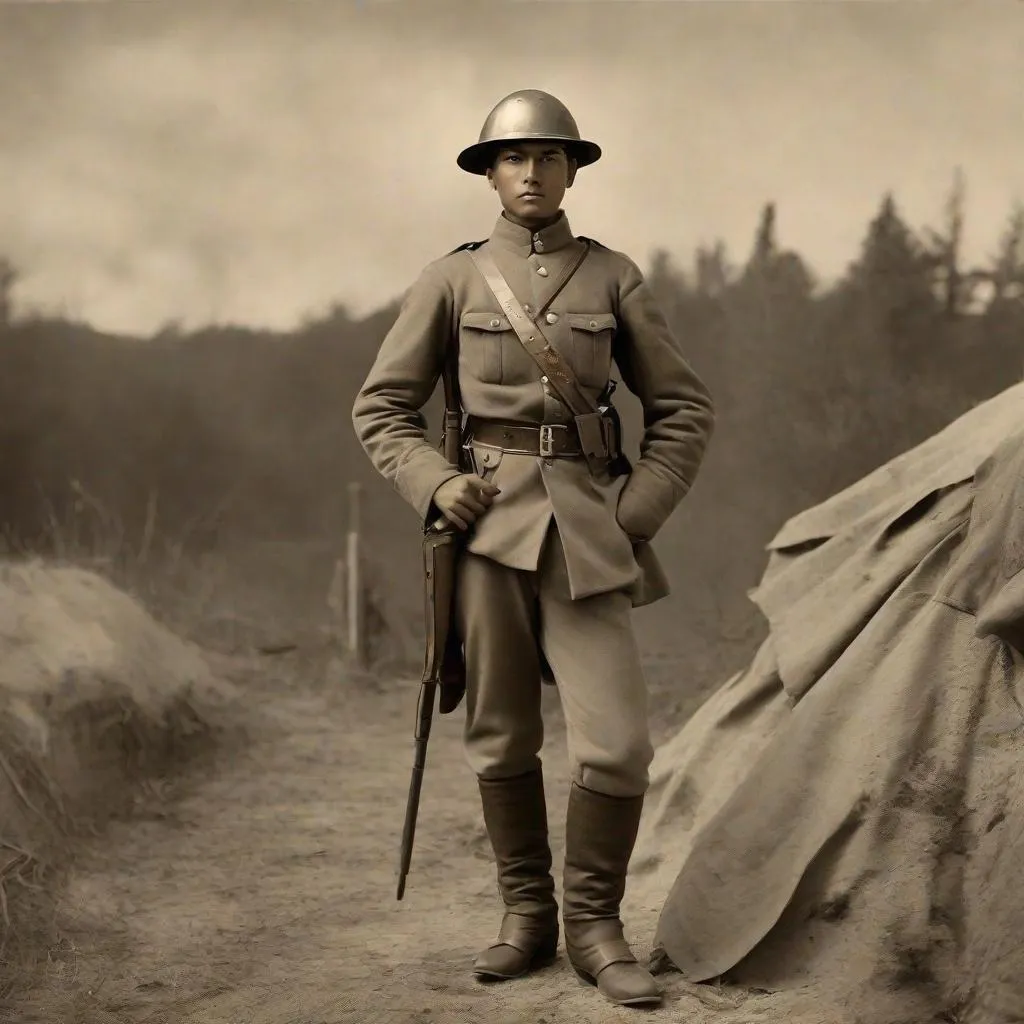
(106, 689)
(97, 700)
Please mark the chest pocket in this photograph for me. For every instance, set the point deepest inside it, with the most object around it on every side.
(592, 335)
(481, 337)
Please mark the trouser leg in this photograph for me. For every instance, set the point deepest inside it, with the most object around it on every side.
(496, 613)
(596, 663)
(595, 659)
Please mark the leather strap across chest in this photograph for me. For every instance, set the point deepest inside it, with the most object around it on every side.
(531, 333)
(590, 424)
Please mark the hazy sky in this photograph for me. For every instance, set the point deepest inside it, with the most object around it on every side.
(254, 162)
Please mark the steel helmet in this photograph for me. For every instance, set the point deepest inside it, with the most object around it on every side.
(526, 116)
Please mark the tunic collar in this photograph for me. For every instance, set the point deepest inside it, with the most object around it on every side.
(526, 242)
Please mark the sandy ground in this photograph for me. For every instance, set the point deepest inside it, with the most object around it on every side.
(262, 890)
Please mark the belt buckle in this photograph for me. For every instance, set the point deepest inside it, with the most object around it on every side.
(547, 439)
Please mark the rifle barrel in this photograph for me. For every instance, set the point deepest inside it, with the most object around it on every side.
(424, 710)
(412, 807)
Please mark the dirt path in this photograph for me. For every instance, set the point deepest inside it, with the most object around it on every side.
(264, 893)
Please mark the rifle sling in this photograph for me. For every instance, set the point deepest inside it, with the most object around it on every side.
(450, 376)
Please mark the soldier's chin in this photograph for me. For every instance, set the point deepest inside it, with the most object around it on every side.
(535, 209)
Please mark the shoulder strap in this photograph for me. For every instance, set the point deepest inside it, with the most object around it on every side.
(532, 335)
(465, 245)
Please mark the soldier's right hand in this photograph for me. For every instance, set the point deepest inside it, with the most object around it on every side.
(465, 498)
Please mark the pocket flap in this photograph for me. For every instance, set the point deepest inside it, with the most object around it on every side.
(485, 321)
(592, 322)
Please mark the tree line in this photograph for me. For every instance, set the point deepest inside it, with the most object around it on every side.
(234, 432)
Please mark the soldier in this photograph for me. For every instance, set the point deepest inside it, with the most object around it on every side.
(557, 548)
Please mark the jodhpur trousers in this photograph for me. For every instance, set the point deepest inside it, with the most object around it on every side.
(503, 615)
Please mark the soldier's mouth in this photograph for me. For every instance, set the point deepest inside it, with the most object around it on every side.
(531, 195)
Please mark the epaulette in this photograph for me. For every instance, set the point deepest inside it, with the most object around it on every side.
(592, 241)
(467, 245)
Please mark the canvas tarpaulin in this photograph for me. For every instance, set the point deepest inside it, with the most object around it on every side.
(819, 804)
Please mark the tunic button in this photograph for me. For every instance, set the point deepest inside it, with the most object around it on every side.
(552, 318)
(593, 323)
(543, 271)
(495, 322)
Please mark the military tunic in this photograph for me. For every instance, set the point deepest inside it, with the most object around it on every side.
(557, 535)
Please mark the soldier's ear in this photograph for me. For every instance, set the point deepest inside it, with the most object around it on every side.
(573, 168)
(490, 178)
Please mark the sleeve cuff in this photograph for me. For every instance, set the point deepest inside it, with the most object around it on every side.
(646, 502)
(419, 479)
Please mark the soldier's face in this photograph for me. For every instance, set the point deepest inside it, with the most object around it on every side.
(530, 179)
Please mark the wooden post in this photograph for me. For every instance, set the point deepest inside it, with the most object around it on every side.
(337, 603)
(354, 599)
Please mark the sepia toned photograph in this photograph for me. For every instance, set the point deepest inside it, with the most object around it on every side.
(511, 511)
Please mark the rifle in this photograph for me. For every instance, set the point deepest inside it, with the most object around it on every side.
(444, 664)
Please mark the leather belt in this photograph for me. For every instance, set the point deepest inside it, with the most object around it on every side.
(551, 440)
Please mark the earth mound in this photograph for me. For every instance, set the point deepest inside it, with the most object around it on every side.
(97, 700)
(842, 817)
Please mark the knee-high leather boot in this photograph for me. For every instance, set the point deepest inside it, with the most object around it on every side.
(600, 834)
(515, 816)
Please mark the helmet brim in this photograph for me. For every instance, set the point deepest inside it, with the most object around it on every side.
(476, 159)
